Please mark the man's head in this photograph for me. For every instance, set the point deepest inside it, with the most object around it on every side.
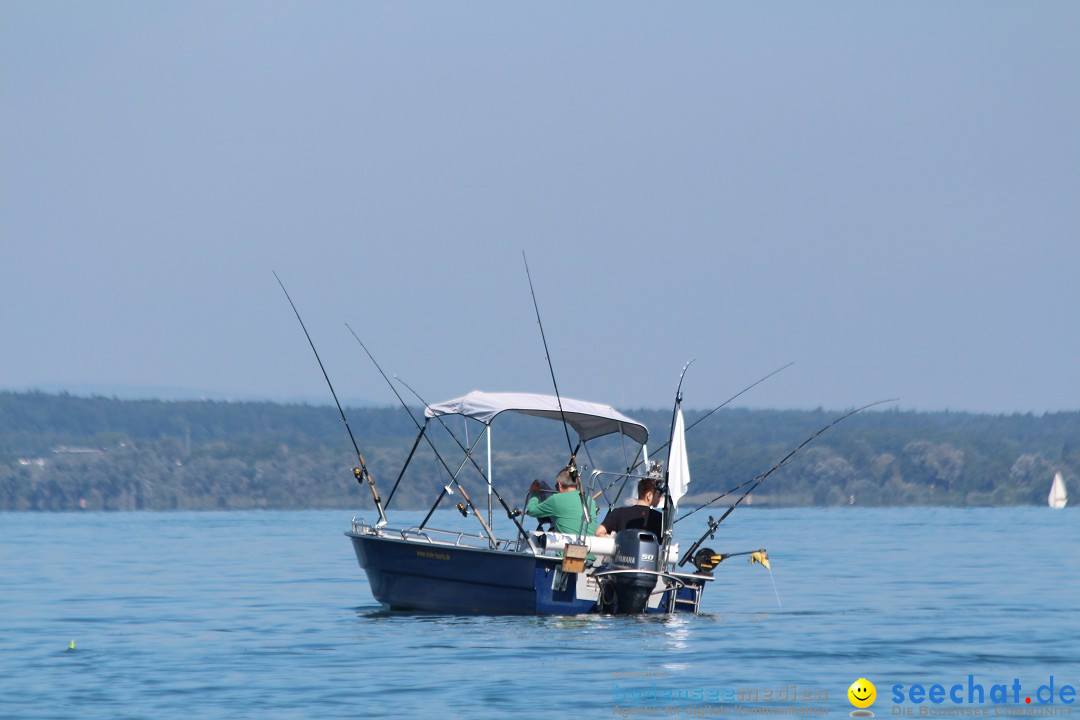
(565, 480)
(646, 492)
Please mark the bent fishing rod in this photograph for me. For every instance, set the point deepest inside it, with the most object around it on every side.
(637, 456)
(678, 402)
(713, 524)
(361, 473)
(453, 477)
(636, 462)
(512, 514)
(671, 437)
(721, 406)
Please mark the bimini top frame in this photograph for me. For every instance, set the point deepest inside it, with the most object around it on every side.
(590, 420)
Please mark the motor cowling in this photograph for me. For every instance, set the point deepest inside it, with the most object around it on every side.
(634, 550)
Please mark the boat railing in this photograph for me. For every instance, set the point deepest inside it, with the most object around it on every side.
(433, 536)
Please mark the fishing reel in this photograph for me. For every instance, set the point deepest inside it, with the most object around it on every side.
(572, 468)
(656, 474)
(706, 559)
(463, 510)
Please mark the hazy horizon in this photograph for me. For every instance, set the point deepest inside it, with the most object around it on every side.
(169, 395)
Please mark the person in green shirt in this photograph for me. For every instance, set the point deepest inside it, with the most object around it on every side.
(564, 507)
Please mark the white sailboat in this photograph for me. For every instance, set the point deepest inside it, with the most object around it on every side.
(1058, 497)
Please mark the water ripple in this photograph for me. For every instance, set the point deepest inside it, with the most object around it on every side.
(265, 615)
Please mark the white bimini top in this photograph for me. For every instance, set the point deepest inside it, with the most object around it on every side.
(590, 420)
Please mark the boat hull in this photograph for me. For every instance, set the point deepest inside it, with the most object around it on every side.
(406, 575)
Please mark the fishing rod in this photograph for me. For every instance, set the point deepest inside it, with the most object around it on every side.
(453, 478)
(722, 405)
(787, 458)
(637, 456)
(668, 509)
(572, 465)
(512, 514)
(408, 460)
(707, 559)
(675, 409)
(713, 524)
(636, 462)
(748, 387)
(361, 473)
(558, 398)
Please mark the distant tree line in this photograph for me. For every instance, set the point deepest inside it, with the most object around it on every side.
(63, 452)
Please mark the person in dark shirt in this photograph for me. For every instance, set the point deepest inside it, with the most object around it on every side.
(642, 515)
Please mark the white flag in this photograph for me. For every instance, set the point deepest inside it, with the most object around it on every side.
(678, 464)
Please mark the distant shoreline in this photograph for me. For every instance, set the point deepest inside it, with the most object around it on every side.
(66, 453)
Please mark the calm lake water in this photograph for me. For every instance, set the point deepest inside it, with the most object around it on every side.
(267, 615)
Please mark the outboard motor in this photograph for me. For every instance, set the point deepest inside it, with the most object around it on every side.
(634, 550)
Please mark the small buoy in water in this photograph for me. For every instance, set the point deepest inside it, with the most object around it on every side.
(72, 645)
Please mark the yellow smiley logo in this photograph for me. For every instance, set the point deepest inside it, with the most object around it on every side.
(862, 693)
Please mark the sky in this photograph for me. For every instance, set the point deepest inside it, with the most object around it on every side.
(885, 194)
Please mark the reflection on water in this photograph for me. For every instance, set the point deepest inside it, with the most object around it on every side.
(677, 631)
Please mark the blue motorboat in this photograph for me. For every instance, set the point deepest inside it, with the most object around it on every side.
(512, 570)
(505, 568)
